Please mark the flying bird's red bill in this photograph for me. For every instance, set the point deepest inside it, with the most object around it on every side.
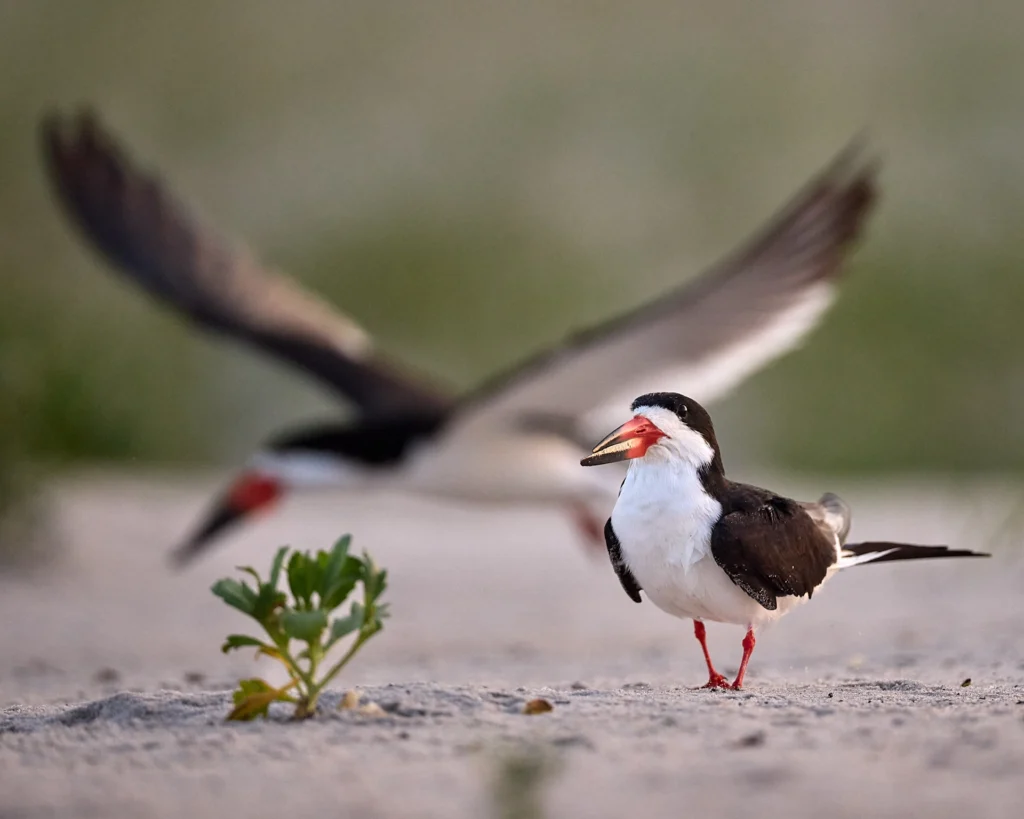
(252, 492)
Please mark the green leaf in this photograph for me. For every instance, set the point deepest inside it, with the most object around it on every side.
(268, 601)
(251, 571)
(318, 566)
(275, 569)
(336, 557)
(342, 584)
(241, 641)
(304, 625)
(247, 687)
(300, 579)
(253, 699)
(343, 626)
(332, 568)
(235, 593)
(374, 580)
(331, 565)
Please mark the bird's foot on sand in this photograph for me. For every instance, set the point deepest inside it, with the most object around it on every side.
(716, 680)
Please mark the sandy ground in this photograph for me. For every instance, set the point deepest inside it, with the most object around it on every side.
(112, 687)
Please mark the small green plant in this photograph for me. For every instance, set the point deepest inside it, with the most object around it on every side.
(319, 585)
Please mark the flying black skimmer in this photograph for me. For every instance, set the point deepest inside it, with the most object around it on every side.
(517, 438)
(707, 548)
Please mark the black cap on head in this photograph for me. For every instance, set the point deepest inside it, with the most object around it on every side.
(672, 401)
(687, 411)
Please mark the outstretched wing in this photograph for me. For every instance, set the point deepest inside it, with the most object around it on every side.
(706, 336)
(150, 236)
(772, 550)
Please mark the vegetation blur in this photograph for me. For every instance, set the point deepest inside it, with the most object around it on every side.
(472, 181)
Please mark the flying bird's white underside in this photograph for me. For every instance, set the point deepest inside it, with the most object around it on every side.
(520, 436)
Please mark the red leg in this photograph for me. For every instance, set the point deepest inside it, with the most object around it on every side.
(715, 680)
(590, 527)
(748, 648)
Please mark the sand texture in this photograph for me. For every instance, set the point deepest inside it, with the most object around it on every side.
(113, 690)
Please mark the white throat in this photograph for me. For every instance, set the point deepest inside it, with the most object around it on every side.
(681, 444)
(664, 517)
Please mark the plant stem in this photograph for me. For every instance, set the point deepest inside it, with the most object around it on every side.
(369, 615)
(341, 663)
(290, 663)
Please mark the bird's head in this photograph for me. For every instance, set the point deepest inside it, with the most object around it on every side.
(319, 458)
(665, 426)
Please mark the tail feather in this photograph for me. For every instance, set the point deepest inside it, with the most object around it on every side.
(882, 551)
(838, 513)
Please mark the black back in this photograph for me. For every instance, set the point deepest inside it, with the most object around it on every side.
(768, 545)
(371, 443)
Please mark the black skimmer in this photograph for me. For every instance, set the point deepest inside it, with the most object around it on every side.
(706, 548)
(519, 437)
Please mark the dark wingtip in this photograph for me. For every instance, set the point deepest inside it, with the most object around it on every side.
(72, 145)
(853, 175)
(823, 220)
(856, 160)
(58, 131)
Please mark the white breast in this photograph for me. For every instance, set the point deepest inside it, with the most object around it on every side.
(663, 520)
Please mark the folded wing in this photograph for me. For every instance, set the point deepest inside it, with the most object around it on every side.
(773, 550)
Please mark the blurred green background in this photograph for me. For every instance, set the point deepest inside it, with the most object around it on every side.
(471, 181)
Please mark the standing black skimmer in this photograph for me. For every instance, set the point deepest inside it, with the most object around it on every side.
(706, 548)
(519, 437)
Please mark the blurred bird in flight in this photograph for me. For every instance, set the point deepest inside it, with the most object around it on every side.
(519, 437)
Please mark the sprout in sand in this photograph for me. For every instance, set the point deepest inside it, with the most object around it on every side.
(319, 585)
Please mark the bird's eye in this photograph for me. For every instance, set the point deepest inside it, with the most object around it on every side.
(682, 410)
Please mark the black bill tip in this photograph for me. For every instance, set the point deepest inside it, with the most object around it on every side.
(222, 519)
(599, 458)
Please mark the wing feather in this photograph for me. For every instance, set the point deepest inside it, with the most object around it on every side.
(626, 578)
(773, 550)
(152, 238)
(707, 335)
